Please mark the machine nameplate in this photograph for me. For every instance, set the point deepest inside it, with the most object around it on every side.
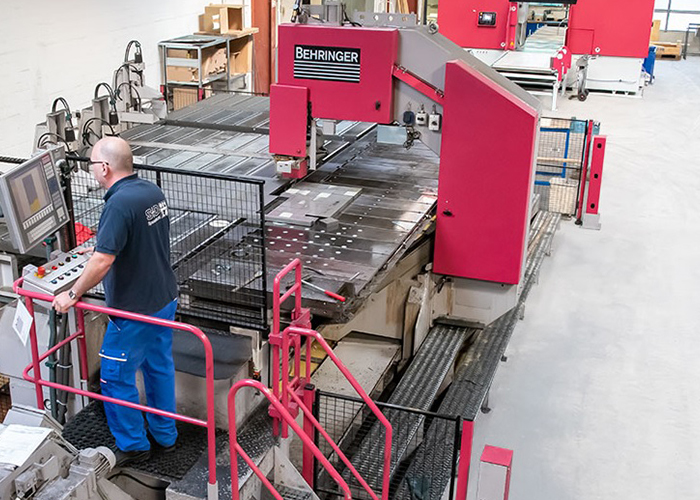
(338, 64)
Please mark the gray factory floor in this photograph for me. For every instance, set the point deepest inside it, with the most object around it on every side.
(600, 397)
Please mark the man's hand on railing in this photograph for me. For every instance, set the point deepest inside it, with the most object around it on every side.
(63, 302)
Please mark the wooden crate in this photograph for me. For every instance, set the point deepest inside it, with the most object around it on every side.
(668, 50)
(186, 96)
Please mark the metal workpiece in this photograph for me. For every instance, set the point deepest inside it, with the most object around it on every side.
(397, 193)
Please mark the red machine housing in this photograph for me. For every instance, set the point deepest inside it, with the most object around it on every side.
(486, 165)
(487, 144)
(459, 21)
(345, 88)
(606, 28)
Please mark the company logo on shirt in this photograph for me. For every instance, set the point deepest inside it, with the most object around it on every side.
(157, 212)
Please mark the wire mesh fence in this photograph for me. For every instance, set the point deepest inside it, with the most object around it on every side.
(560, 159)
(217, 239)
(425, 449)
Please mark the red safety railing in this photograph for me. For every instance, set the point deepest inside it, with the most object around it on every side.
(295, 395)
(236, 448)
(79, 336)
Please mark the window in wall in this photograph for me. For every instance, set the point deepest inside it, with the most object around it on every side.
(675, 15)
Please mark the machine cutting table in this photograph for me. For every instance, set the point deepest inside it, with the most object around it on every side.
(394, 193)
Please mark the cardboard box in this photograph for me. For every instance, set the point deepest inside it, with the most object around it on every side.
(656, 31)
(221, 19)
(213, 63)
(182, 74)
(241, 56)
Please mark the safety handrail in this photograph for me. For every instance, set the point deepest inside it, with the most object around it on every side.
(336, 449)
(292, 336)
(277, 302)
(388, 438)
(79, 335)
(237, 449)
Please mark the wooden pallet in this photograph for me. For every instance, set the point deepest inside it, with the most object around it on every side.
(670, 51)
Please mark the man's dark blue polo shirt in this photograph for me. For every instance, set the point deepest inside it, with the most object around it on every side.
(135, 228)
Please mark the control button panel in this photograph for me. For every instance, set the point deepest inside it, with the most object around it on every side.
(57, 275)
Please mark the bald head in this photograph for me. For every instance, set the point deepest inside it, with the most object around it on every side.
(115, 151)
(111, 160)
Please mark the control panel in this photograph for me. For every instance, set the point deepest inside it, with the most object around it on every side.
(57, 275)
(487, 19)
(32, 200)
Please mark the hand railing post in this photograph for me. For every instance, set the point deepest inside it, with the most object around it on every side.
(82, 344)
(79, 336)
(310, 431)
(29, 303)
(287, 417)
(465, 458)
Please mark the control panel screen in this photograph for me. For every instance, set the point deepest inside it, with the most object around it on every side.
(31, 192)
(32, 200)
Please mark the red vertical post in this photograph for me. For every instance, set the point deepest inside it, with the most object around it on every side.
(584, 171)
(307, 470)
(35, 354)
(594, 185)
(285, 381)
(512, 30)
(82, 345)
(465, 458)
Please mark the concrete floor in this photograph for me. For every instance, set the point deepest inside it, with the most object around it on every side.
(600, 397)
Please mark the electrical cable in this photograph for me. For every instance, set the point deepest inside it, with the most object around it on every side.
(39, 144)
(98, 119)
(62, 101)
(12, 159)
(346, 18)
(129, 67)
(138, 54)
(106, 86)
(134, 88)
(63, 375)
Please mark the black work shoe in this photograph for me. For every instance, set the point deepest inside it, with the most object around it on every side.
(156, 446)
(125, 458)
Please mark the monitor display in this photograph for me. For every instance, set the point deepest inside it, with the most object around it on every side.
(31, 192)
(32, 200)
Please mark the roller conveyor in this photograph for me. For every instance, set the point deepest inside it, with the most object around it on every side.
(475, 373)
(417, 389)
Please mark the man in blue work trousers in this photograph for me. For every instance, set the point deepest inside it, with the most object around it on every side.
(132, 255)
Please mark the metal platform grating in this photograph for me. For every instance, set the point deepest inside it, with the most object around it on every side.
(255, 436)
(89, 429)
